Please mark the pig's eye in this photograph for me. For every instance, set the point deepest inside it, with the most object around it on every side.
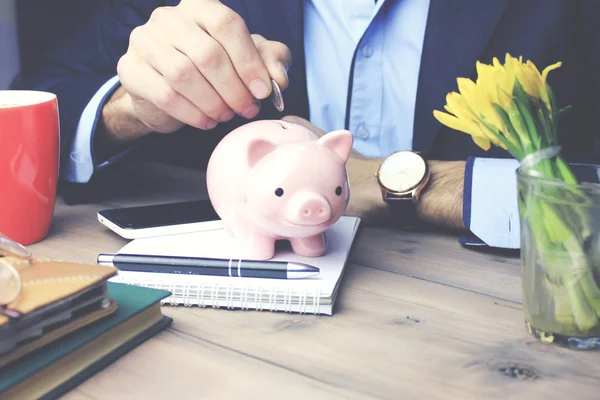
(279, 192)
(338, 190)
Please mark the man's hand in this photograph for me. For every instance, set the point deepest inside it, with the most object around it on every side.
(440, 203)
(196, 64)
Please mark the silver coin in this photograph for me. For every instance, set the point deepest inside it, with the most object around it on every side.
(10, 283)
(10, 246)
(276, 96)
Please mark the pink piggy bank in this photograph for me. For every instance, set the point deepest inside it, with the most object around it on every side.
(271, 180)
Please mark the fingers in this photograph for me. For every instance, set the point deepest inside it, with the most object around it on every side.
(197, 63)
(215, 65)
(207, 78)
(277, 57)
(143, 82)
(228, 29)
(180, 73)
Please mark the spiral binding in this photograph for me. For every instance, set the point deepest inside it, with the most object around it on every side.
(235, 297)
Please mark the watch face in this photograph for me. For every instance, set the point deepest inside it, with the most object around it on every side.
(402, 171)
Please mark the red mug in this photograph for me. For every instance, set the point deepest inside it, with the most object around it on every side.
(29, 157)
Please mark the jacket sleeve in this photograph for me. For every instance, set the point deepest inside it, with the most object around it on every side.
(84, 59)
(590, 13)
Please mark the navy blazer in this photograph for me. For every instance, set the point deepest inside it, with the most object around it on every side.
(82, 42)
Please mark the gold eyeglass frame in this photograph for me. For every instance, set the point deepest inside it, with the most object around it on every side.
(9, 247)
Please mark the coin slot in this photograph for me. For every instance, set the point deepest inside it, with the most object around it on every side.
(283, 126)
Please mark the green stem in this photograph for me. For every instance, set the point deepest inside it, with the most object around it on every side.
(585, 317)
(553, 237)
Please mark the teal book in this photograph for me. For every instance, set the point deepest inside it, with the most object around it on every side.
(60, 366)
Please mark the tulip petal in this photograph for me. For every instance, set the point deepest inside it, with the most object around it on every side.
(463, 126)
(550, 68)
(544, 93)
(482, 142)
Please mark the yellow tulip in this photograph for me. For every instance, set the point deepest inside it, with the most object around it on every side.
(496, 82)
(530, 78)
(474, 109)
(479, 103)
(464, 120)
(525, 75)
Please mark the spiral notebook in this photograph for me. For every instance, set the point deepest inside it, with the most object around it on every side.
(311, 295)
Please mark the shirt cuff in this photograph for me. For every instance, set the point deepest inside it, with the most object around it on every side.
(490, 203)
(81, 163)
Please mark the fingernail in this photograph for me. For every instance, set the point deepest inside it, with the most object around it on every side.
(211, 124)
(227, 115)
(259, 89)
(282, 67)
(251, 111)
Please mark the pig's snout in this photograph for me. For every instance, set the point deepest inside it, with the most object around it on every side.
(313, 210)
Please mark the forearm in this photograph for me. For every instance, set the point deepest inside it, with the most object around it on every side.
(118, 126)
(441, 202)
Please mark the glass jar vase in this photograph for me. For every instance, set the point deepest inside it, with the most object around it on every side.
(560, 256)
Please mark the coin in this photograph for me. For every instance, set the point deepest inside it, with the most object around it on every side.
(10, 283)
(10, 246)
(276, 96)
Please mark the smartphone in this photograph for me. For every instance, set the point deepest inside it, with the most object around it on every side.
(161, 219)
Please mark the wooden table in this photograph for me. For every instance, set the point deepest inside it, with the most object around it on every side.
(418, 316)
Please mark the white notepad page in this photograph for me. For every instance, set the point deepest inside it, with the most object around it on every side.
(315, 294)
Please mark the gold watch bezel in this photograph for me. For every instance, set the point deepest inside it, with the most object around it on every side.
(413, 192)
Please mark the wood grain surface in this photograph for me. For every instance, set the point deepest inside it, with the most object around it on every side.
(418, 317)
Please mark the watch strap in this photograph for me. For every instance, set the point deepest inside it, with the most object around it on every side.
(403, 211)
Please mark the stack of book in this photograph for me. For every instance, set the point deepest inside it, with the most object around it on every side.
(68, 322)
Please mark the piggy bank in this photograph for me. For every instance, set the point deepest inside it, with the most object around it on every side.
(273, 180)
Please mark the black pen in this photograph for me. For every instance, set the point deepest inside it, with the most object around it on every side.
(208, 266)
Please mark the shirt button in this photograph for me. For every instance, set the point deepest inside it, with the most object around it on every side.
(367, 51)
(362, 132)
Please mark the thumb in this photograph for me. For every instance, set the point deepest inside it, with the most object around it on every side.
(277, 57)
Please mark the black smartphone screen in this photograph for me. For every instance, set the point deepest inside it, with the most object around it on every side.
(161, 214)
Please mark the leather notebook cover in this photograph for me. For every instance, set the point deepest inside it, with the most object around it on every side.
(56, 298)
(46, 282)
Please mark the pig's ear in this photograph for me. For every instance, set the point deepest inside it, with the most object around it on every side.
(257, 149)
(340, 142)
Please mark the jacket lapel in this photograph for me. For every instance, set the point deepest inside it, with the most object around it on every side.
(457, 35)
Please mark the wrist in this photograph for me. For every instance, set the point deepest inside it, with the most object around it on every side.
(119, 121)
(441, 200)
(402, 176)
(118, 126)
(365, 194)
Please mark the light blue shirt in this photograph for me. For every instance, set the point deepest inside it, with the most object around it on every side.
(375, 48)
(386, 45)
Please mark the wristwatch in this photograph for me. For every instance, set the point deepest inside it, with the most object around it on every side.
(402, 176)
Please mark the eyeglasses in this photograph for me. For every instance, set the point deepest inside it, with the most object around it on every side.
(11, 247)
(10, 279)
